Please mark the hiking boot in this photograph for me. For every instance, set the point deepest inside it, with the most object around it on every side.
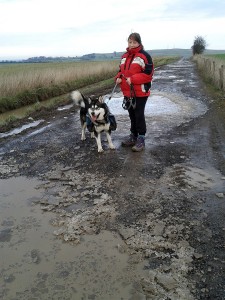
(129, 141)
(139, 145)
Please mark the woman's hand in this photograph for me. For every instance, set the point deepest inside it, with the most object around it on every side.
(119, 80)
(128, 80)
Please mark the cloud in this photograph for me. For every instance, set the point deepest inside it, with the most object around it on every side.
(69, 28)
(199, 8)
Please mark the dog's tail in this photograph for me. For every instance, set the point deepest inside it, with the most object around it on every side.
(78, 98)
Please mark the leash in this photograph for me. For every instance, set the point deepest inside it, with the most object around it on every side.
(127, 102)
(131, 101)
(113, 91)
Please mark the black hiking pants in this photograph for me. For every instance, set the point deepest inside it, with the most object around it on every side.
(137, 117)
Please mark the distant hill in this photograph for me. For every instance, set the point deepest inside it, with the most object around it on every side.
(117, 55)
(113, 55)
(174, 52)
(171, 52)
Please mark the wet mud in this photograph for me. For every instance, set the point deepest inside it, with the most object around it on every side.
(36, 265)
(78, 224)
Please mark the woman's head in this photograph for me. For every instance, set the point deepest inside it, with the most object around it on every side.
(134, 40)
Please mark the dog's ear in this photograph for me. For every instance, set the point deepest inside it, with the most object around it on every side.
(101, 99)
(92, 99)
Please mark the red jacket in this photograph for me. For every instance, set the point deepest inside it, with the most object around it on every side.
(136, 64)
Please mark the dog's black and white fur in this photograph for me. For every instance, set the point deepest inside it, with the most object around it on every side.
(94, 115)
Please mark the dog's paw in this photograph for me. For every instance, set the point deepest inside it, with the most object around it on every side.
(83, 138)
(112, 147)
(100, 150)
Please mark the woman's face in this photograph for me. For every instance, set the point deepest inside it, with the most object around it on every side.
(132, 44)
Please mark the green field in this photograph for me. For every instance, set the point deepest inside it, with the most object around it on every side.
(218, 56)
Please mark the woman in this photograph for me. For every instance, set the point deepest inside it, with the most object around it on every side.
(134, 77)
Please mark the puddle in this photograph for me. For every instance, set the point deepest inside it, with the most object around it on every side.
(156, 105)
(37, 265)
(21, 129)
(65, 107)
(204, 179)
(161, 104)
(38, 131)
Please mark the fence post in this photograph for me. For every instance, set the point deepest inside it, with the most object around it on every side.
(222, 77)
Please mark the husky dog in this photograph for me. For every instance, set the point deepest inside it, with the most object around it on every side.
(96, 117)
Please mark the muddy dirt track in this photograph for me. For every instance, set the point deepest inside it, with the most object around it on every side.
(78, 224)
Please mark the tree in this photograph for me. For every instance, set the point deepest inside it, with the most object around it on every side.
(199, 45)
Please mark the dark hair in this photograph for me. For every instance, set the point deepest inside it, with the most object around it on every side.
(136, 37)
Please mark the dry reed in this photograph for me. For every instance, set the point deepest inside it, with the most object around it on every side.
(17, 78)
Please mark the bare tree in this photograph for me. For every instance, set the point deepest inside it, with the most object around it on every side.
(199, 45)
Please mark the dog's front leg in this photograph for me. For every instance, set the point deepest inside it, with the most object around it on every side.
(99, 143)
(83, 137)
(109, 139)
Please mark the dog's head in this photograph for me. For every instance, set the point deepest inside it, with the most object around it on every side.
(97, 110)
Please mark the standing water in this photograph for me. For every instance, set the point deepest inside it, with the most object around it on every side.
(37, 265)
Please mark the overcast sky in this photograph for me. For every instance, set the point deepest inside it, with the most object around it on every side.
(75, 27)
